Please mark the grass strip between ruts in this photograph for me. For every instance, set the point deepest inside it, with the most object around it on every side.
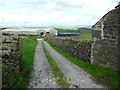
(56, 71)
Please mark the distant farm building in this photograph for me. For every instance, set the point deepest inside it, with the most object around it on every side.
(68, 34)
(24, 31)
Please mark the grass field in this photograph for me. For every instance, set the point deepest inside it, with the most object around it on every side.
(80, 30)
(56, 71)
(84, 37)
(22, 78)
(102, 75)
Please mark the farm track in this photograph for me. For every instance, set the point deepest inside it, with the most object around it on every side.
(75, 76)
(42, 76)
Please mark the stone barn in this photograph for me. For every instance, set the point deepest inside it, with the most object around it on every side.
(106, 46)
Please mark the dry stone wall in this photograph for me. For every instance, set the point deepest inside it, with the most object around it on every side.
(10, 54)
(105, 47)
(77, 48)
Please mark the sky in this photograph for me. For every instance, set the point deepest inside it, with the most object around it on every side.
(53, 12)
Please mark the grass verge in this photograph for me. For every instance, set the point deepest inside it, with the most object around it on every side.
(22, 78)
(29, 46)
(56, 71)
(102, 75)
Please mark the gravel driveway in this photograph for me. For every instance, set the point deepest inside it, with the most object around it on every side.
(42, 76)
(75, 76)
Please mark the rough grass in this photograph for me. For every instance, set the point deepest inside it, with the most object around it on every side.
(109, 78)
(0, 67)
(56, 71)
(22, 78)
(84, 37)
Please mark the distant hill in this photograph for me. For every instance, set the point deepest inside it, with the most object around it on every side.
(84, 30)
(67, 30)
(80, 30)
(2, 28)
(71, 27)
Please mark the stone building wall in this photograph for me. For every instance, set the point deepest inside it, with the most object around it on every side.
(10, 54)
(77, 48)
(105, 34)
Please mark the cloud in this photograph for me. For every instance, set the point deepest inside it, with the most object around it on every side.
(54, 11)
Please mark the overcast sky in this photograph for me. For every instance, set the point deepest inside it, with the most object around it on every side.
(53, 12)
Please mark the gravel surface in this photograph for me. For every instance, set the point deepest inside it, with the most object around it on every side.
(75, 76)
(42, 76)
